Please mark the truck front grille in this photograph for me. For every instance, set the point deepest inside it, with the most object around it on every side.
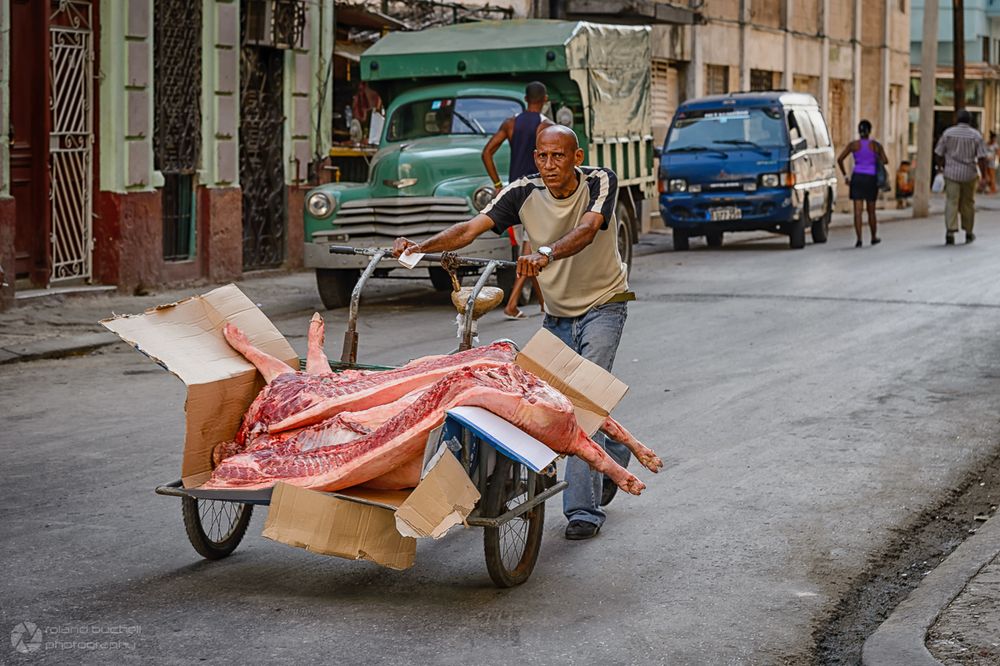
(402, 216)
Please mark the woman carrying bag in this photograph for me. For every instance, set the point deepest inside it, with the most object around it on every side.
(868, 177)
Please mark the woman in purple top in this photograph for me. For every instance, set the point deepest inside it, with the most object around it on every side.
(868, 155)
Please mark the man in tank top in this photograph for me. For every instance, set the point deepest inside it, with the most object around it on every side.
(520, 131)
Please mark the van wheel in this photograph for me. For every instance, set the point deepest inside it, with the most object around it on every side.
(335, 286)
(797, 235)
(821, 226)
(625, 239)
(680, 240)
(714, 238)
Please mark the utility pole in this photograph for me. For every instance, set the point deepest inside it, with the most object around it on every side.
(958, 37)
(925, 126)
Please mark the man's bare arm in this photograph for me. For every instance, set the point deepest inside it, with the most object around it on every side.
(493, 145)
(453, 238)
(573, 242)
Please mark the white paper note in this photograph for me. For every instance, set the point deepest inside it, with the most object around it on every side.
(410, 259)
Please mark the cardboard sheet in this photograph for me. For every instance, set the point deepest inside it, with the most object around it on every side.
(593, 390)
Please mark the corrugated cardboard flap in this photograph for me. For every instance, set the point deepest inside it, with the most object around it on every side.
(593, 390)
(329, 525)
(186, 339)
(444, 498)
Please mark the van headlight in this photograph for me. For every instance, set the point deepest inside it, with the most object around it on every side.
(483, 196)
(319, 205)
(677, 185)
(770, 180)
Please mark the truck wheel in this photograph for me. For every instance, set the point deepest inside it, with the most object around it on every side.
(821, 226)
(714, 238)
(335, 286)
(625, 239)
(440, 278)
(505, 280)
(797, 235)
(680, 240)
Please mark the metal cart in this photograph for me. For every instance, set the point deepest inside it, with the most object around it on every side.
(511, 509)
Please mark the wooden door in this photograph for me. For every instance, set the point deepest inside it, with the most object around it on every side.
(29, 154)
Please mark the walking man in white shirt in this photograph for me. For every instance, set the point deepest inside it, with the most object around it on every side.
(959, 150)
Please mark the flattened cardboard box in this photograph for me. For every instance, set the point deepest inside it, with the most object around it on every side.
(381, 526)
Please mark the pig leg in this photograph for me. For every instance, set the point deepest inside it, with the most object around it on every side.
(269, 366)
(316, 361)
(643, 454)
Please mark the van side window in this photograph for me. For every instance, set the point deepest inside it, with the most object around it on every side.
(819, 128)
(800, 127)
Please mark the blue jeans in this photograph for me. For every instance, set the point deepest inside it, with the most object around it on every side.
(594, 336)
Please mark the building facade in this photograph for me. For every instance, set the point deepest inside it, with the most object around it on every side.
(157, 141)
(982, 66)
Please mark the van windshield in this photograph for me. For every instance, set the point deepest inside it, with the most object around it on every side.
(451, 115)
(727, 128)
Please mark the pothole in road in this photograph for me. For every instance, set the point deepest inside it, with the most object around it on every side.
(918, 549)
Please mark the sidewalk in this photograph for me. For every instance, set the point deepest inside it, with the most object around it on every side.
(953, 617)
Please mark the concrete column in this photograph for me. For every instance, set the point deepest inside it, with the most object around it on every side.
(788, 77)
(696, 70)
(885, 122)
(220, 76)
(744, 46)
(824, 67)
(925, 127)
(856, 67)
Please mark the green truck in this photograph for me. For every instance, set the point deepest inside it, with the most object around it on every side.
(448, 89)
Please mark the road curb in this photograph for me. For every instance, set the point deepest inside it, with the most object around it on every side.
(56, 347)
(901, 638)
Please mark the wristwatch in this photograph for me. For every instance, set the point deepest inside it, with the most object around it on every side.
(546, 252)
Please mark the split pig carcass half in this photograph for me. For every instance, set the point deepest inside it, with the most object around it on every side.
(382, 444)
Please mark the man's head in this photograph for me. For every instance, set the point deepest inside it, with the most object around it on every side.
(963, 116)
(557, 154)
(535, 94)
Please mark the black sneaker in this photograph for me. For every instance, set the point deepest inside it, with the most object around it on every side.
(581, 529)
(969, 237)
(949, 239)
(608, 491)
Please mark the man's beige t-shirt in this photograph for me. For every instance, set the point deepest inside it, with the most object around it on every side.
(573, 285)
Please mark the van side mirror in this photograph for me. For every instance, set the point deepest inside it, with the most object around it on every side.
(799, 144)
(657, 151)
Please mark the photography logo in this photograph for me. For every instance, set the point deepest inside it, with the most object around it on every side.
(26, 637)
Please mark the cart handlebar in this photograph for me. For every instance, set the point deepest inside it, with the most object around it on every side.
(451, 256)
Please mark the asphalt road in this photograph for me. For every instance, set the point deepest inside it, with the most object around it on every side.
(806, 404)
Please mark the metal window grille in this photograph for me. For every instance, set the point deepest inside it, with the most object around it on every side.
(177, 119)
(716, 80)
(279, 24)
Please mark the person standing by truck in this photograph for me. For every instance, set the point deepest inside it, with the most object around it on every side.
(569, 213)
(520, 131)
(868, 156)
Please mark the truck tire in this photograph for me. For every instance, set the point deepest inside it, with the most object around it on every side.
(821, 226)
(505, 280)
(797, 234)
(714, 238)
(681, 242)
(440, 278)
(625, 226)
(335, 286)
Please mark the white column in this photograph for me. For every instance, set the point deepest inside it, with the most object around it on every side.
(788, 79)
(824, 67)
(925, 128)
(856, 67)
(696, 70)
(744, 46)
(885, 123)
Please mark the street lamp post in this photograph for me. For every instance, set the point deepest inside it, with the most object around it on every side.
(925, 125)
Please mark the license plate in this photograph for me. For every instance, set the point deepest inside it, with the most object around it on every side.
(725, 214)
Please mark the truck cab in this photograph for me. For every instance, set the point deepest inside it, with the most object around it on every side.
(449, 89)
(747, 161)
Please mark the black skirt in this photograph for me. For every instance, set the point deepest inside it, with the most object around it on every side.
(864, 187)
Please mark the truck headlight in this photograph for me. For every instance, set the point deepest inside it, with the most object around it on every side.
(319, 205)
(677, 185)
(770, 180)
(483, 196)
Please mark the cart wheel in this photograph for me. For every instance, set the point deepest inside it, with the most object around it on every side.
(215, 528)
(512, 548)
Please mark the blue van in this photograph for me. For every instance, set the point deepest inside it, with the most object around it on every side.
(748, 161)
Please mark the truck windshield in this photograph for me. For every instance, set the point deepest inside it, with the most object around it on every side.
(726, 128)
(451, 115)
